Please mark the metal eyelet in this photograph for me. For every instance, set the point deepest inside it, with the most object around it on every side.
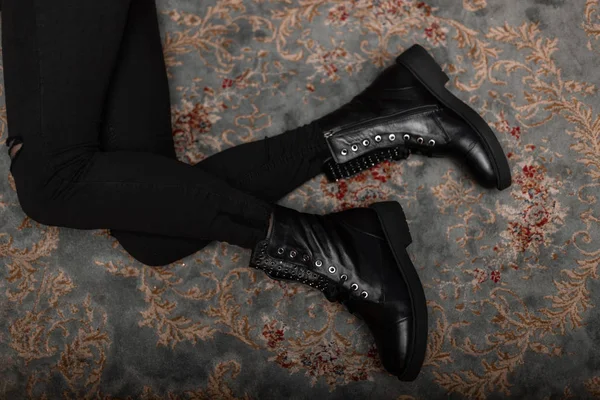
(366, 142)
(318, 263)
(293, 253)
(332, 269)
(354, 286)
(406, 137)
(344, 277)
(364, 294)
(354, 147)
(431, 142)
(420, 140)
(305, 257)
(378, 138)
(280, 250)
(344, 152)
(392, 137)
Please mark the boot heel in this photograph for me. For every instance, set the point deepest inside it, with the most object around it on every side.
(335, 171)
(395, 220)
(418, 59)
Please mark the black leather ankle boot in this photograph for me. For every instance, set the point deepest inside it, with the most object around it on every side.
(357, 257)
(408, 110)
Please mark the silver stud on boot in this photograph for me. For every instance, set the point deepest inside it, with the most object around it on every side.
(378, 138)
(406, 137)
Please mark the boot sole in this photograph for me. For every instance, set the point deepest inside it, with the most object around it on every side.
(393, 221)
(420, 63)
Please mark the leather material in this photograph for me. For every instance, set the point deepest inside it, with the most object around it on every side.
(466, 146)
(345, 255)
(397, 104)
(383, 134)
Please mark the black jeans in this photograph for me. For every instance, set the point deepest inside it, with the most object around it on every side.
(88, 98)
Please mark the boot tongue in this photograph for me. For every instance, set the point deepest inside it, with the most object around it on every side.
(290, 236)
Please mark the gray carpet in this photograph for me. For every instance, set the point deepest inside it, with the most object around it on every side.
(511, 277)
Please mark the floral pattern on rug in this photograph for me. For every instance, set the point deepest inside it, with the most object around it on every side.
(510, 276)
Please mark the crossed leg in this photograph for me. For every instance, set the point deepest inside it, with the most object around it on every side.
(139, 94)
(111, 164)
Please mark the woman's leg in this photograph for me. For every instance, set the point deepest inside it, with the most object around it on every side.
(138, 119)
(268, 168)
(137, 107)
(58, 61)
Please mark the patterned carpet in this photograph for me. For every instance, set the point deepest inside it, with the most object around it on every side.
(510, 276)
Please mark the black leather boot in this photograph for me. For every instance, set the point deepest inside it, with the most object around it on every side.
(408, 110)
(357, 257)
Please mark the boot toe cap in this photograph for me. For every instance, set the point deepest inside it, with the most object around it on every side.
(481, 166)
(394, 345)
